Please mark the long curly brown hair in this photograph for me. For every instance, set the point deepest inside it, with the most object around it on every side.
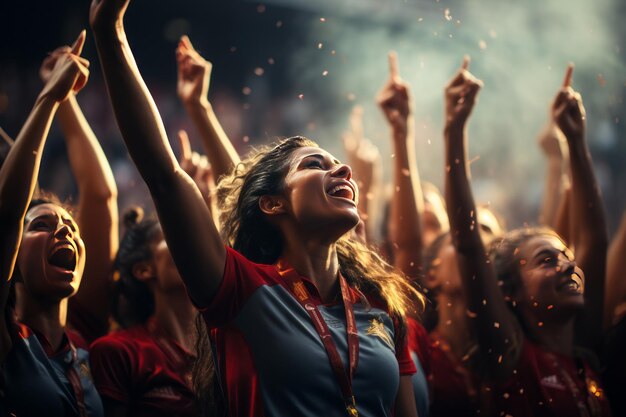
(245, 229)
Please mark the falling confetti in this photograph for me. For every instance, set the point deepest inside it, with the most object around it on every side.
(301, 96)
(420, 19)
(446, 14)
(259, 71)
(482, 44)
(260, 8)
(493, 33)
(279, 24)
(601, 80)
(324, 73)
(246, 91)
(406, 172)
(270, 61)
(233, 49)
(322, 19)
(246, 139)
(320, 45)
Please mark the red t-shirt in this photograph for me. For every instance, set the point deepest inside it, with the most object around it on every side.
(551, 384)
(455, 391)
(148, 373)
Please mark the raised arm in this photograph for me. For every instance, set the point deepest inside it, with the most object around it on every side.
(194, 74)
(407, 202)
(364, 158)
(19, 172)
(97, 203)
(193, 239)
(554, 147)
(199, 169)
(588, 225)
(495, 328)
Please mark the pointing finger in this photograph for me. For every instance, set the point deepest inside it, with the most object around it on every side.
(567, 81)
(77, 47)
(185, 146)
(394, 73)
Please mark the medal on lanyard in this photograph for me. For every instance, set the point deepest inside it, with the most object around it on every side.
(299, 291)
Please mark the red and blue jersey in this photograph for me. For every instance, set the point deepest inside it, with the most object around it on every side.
(38, 381)
(270, 359)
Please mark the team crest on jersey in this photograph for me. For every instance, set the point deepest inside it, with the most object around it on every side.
(300, 291)
(377, 328)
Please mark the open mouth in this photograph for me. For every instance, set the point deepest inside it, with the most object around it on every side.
(63, 256)
(573, 283)
(342, 191)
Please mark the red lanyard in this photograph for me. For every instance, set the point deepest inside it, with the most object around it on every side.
(299, 291)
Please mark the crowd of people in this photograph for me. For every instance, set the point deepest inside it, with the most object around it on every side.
(259, 286)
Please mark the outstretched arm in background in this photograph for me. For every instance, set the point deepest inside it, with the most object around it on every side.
(587, 223)
(554, 147)
(19, 172)
(199, 169)
(364, 158)
(97, 203)
(194, 74)
(407, 202)
(497, 332)
(191, 235)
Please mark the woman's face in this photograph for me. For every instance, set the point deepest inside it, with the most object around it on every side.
(51, 258)
(551, 281)
(444, 275)
(320, 192)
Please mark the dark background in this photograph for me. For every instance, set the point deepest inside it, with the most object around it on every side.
(268, 60)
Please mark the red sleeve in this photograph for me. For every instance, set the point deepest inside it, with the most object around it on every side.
(407, 367)
(418, 343)
(111, 366)
(241, 278)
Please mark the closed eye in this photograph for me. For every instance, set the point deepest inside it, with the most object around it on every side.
(314, 164)
(39, 225)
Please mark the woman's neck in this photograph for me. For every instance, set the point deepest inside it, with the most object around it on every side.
(47, 318)
(452, 324)
(554, 335)
(317, 262)
(174, 316)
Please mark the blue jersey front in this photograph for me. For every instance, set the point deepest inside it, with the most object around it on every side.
(271, 359)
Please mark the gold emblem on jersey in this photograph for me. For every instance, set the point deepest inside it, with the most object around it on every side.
(377, 328)
(300, 291)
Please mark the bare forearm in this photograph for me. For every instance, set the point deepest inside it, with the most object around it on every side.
(219, 149)
(552, 192)
(135, 111)
(21, 167)
(89, 163)
(491, 320)
(407, 206)
(587, 206)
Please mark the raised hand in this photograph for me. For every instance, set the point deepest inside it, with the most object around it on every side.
(567, 110)
(103, 13)
(362, 155)
(394, 98)
(65, 71)
(197, 167)
(194, 73)
(460, 95)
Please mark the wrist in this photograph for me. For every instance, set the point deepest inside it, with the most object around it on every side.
(195, 104)
(453, 128)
